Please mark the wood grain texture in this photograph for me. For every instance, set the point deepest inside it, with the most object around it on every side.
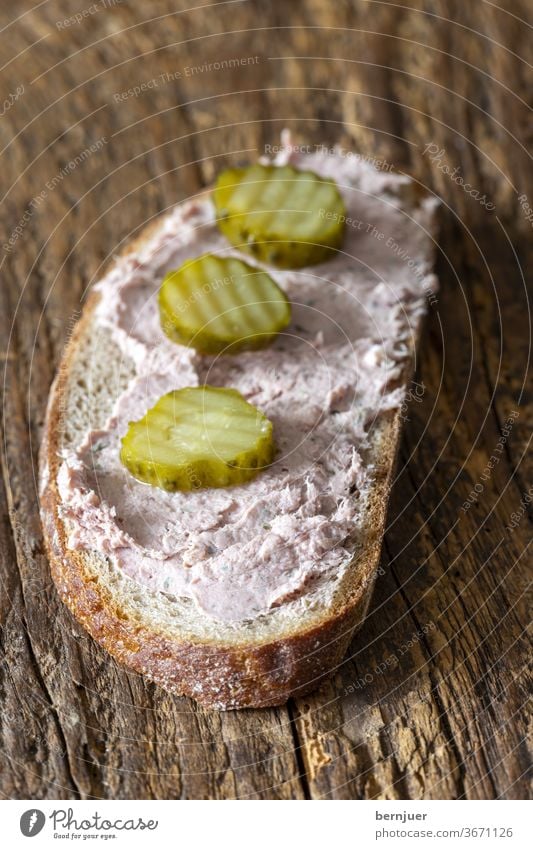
(431, 700)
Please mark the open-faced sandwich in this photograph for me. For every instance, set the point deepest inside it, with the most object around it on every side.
(221, 434)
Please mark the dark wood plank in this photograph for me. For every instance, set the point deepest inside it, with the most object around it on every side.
(430, 701)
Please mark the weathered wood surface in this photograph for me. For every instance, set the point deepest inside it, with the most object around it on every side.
(431, 701)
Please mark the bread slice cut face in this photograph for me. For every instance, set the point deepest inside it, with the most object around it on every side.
(241, 596)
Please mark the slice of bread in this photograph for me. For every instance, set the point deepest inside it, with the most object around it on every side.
(262, 660)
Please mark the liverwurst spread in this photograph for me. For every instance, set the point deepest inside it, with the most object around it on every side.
(242, 551)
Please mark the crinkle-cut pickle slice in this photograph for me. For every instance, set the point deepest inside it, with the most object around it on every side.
(282, 216)
(198, 437)
(221, 304)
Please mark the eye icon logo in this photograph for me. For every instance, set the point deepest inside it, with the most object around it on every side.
(32, 822)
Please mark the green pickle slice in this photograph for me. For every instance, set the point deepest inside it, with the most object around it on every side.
(282, 216)
(217, 304)
(198, 437)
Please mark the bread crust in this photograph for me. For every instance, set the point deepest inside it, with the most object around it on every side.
(218, 675)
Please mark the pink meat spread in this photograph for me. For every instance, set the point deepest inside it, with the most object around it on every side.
(240, 552)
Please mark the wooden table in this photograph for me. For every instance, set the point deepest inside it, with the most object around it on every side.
(431, 700)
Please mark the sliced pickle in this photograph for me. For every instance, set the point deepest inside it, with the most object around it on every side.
(217, 304)
(197, 437)
(282, 216)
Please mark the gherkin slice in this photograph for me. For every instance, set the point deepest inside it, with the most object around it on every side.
(217, 304)
(198, 437)
(282, 216)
